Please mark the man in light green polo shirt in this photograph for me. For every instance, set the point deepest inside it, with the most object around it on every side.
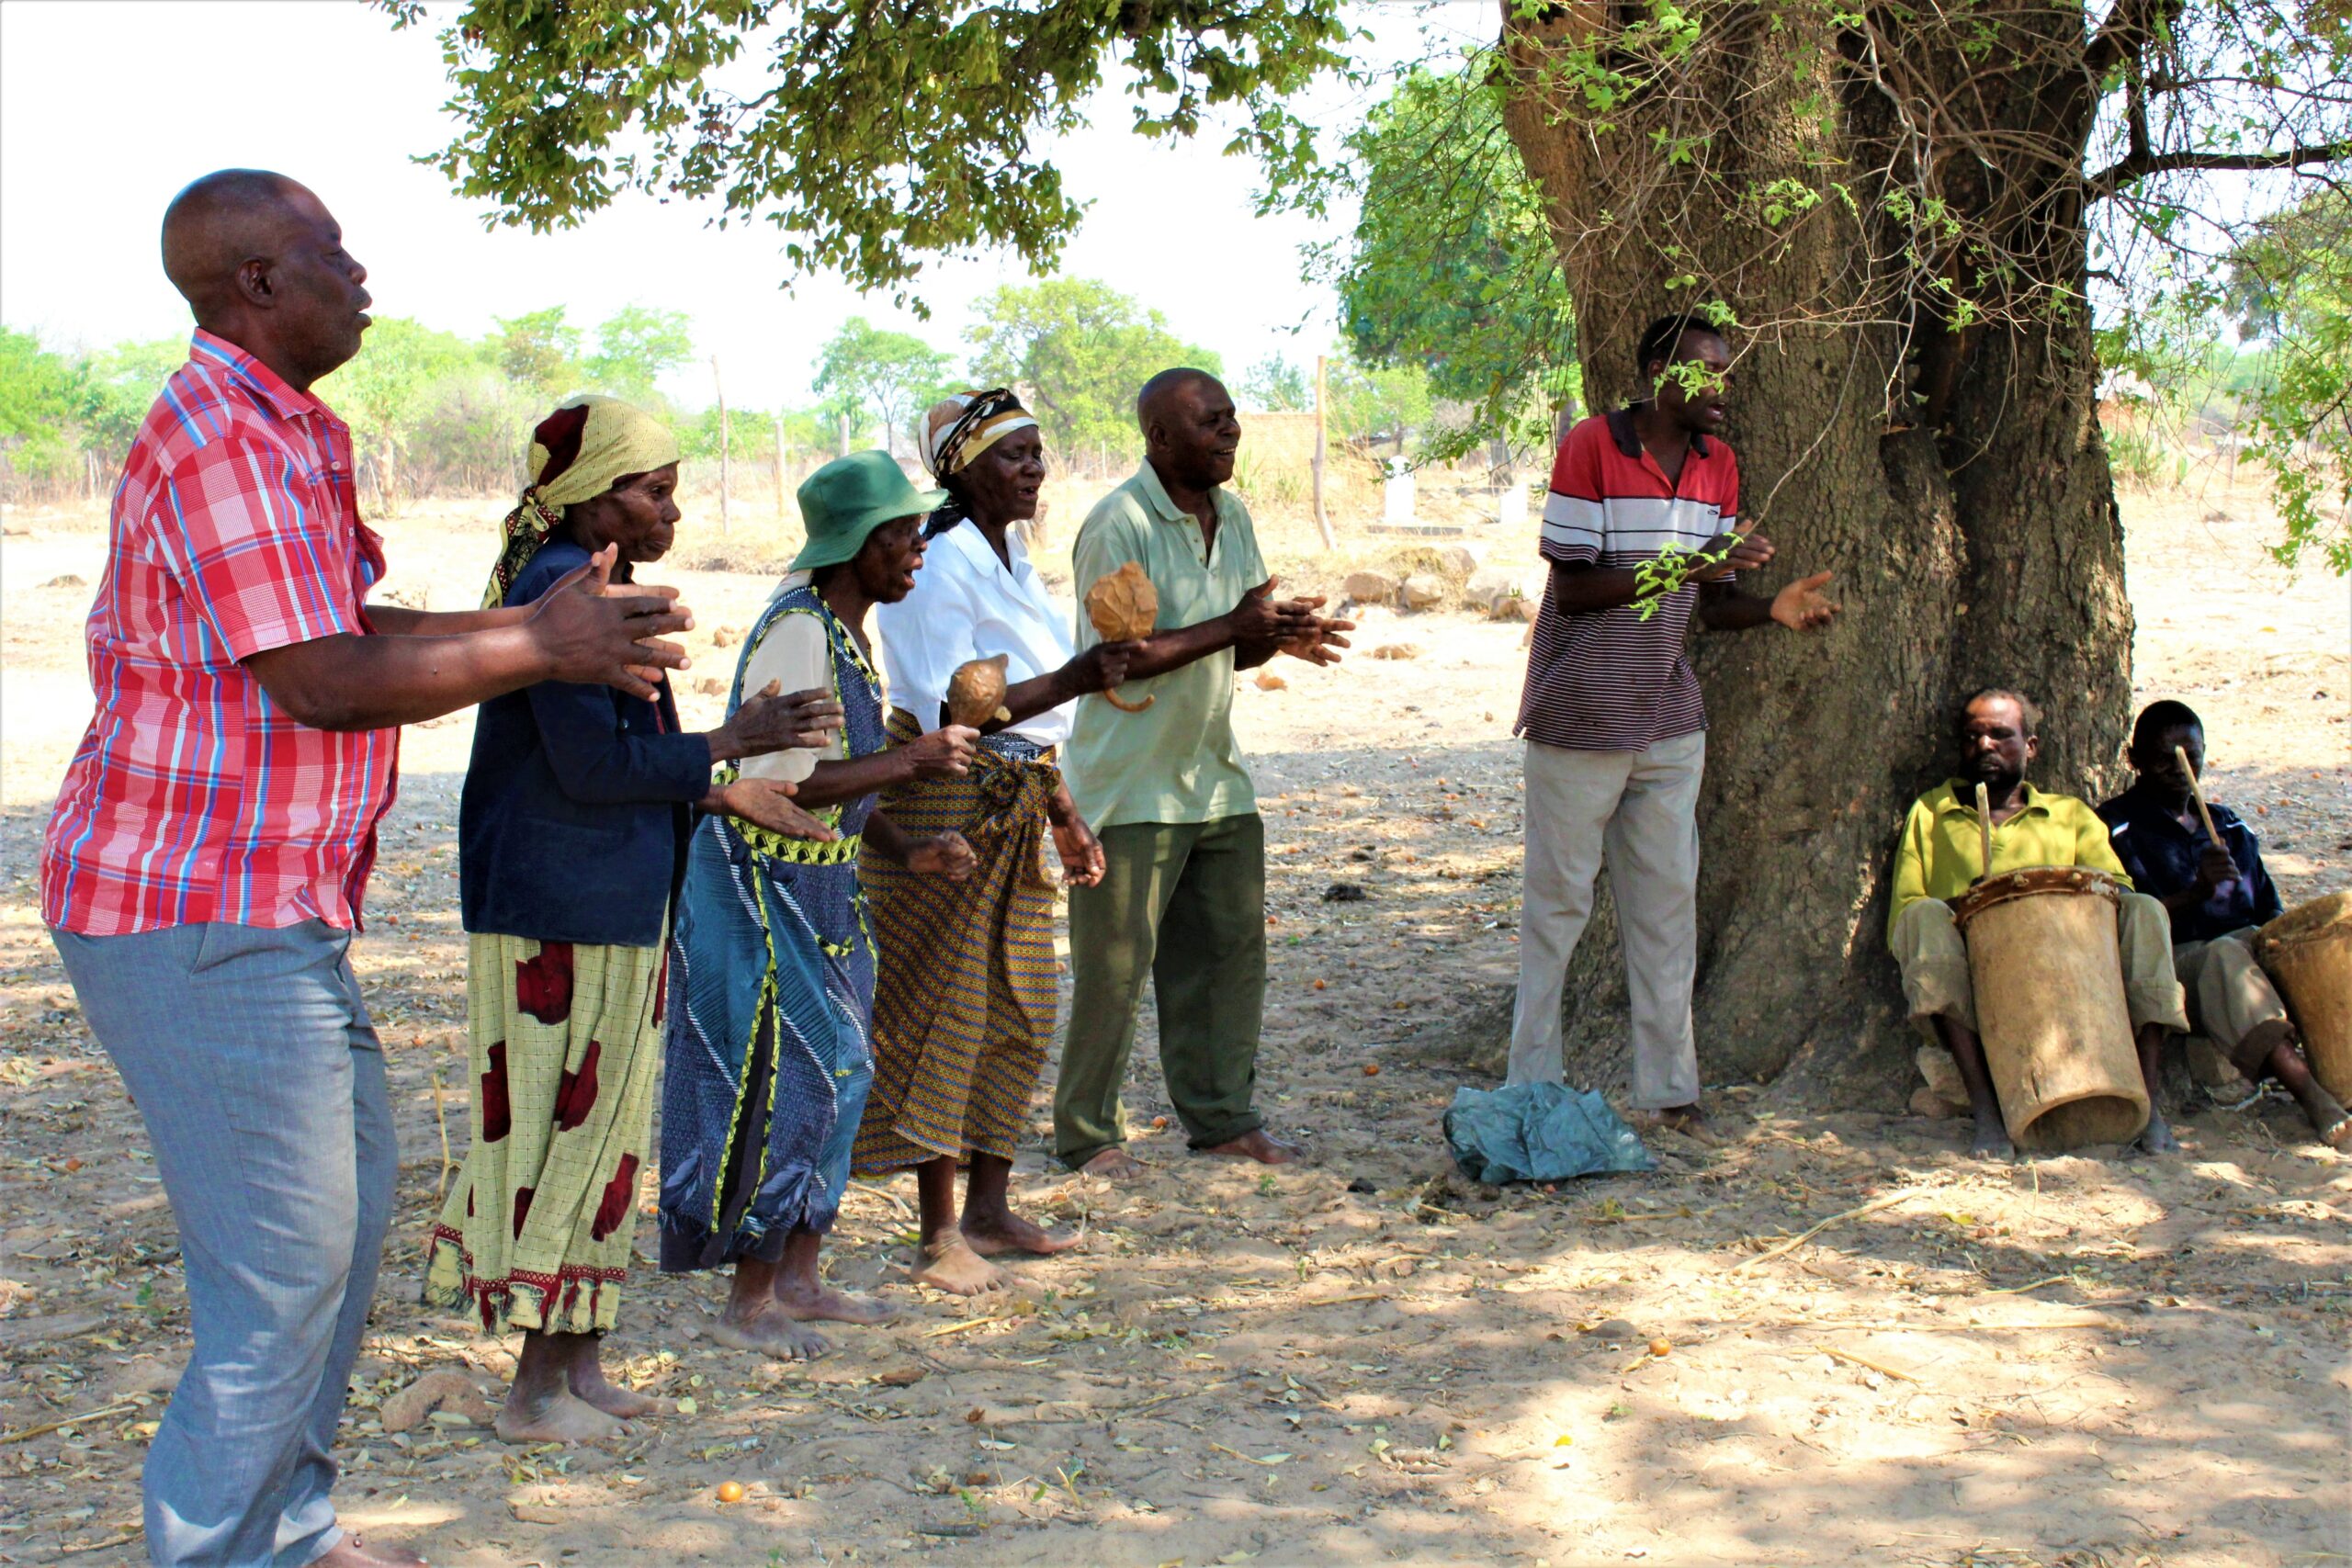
(1182, 900)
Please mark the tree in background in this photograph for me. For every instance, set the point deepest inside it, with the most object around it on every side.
(636, 346)
(1079, 350)
(1376, 402)
(41, 393)
(889, 376)
(1451, 267)
(539, 351)
(1892, 210)
(2289, 282)
(1276, 385)
(385, 393)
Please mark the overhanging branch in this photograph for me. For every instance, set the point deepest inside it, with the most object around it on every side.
(2127, 32)
(2138, 166)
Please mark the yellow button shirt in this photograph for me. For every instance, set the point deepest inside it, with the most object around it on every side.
(1942, 852)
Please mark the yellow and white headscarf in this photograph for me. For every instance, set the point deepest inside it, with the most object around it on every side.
(577, 454)
(960, 428)
(957, 429)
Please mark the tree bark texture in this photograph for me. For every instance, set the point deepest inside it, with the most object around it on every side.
(1978, 546)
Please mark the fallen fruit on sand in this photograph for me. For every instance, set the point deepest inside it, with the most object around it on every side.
(1123, 607)
(730, 1491)
(1318, 984)
(976, 692)
(1659, 1347)
(1371, 1069)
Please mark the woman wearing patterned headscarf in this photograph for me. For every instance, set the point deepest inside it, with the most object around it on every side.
(965, 1008)
(571, 833)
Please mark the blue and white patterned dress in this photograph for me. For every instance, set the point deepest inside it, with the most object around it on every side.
(771, 984)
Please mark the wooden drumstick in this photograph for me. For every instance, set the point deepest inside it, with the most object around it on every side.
(2197, 790)
(1985, 825)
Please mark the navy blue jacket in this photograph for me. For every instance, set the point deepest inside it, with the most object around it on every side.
(2161, 856)
(576, 809)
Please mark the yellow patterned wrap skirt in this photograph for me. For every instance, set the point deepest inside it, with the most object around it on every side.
(965, 1000)
(566, 1050)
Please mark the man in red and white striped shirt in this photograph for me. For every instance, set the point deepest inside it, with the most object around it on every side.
(203, 870)
(1641, 530)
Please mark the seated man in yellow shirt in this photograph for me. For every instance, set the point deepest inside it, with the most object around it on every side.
(1942, 855)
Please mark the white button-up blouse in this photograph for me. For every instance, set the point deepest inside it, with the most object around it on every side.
(968, 605)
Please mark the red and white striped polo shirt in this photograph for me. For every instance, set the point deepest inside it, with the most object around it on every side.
(1607, 680)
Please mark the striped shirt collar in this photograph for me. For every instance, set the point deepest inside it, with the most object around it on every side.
(225, 358)
(1629, 439)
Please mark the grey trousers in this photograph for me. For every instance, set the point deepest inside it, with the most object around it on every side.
(1640, 808)
(261, 1080)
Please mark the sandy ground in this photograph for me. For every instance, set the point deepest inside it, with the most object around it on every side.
(1825, 1339)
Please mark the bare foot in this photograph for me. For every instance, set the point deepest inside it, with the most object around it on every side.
(2156, 1138)
(994, 1234)
(2339, 1135)
(588, 1384)
(1254, 1145)
(822, 1303)
(770, 1333)
(1114, 1164)
(353, 1552)
(560, 1419)
(1992, 1140)
(955, 1268)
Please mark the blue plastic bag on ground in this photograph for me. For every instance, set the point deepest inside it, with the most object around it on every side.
(1539, 1132)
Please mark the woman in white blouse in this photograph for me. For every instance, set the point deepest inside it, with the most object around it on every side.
(965, 1000)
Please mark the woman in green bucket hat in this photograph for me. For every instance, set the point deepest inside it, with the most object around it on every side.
(770, 1052)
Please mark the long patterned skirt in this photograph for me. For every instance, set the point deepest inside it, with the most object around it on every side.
(566, 1045)
(965, 1004)
(769, 1060)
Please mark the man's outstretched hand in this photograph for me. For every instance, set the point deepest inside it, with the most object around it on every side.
(593, 633)
(1262, 623)
(1801, 606)
(1321, 645)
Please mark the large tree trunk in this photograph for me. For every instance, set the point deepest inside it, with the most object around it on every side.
(1975, 545)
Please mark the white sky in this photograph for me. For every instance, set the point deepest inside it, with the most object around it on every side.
(106, 110)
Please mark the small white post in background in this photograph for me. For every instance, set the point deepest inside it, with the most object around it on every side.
(1396, 497)
(720, 391)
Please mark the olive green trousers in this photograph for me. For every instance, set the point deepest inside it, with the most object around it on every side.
(1183, 905)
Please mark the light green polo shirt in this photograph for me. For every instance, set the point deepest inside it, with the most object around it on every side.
(1177, 762)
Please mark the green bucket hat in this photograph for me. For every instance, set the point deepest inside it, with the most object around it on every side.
(850, 497)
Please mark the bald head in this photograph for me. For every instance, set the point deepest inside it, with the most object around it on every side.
(1154, 400)
(261, 263)
(1190, 431)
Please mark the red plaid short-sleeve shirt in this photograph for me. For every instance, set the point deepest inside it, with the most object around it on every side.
(193, 796)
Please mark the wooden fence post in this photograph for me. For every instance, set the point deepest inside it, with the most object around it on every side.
(720, 389)
(779, 469)
(1322, 518)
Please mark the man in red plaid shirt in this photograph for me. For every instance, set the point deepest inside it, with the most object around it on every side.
(204, 868)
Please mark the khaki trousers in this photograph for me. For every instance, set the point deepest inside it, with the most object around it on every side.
(1639, 810)
(1934, 960)
(2228, 994)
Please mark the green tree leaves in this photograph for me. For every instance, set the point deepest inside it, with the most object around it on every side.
(888, 375)
(1080, 350)
(868, 136)
(1450, 270)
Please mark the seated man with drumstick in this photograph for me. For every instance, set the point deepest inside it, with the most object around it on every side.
(1941, 855)
(2205, 866)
